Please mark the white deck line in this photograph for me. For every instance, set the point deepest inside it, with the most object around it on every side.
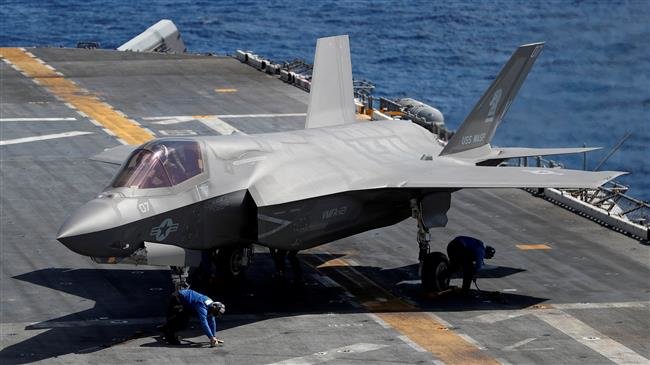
(218, 125)
(581, 332)
(186, 118)
(66, 119)
(226, 116)
(331, 354)
(43, 137)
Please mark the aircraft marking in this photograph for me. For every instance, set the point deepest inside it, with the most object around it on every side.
(144, 207)
(43, 137)
(331, 354)
(75, 97)
(165, 228)
(281, 224)
(334, 212)
(494, 103)
(65, 119)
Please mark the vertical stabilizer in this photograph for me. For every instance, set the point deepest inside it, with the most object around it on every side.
(331, 97)
(478, 128)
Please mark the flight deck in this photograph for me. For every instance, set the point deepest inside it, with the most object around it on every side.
(561, 289)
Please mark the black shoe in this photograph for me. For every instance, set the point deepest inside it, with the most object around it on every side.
(172, 340)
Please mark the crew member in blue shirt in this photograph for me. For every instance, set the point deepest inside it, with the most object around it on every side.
(466, 254)
(181, 304)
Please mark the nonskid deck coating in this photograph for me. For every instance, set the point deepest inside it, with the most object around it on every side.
(59, 307)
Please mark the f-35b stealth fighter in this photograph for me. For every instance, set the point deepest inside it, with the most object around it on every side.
(175, 199)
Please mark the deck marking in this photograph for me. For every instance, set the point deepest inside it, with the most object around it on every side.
(173, 119)
(218, 125)
(226, 90)
(519, 344)
(491, 318)
(74, 96)
(412, 344)
(581, 332)
(178, 132)
(64, 119)
(43, 137)
(541, 246)
(407, 319)
(227, 116)
(330, 355)
(325, 281)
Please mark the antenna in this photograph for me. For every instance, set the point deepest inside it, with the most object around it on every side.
(614, 149)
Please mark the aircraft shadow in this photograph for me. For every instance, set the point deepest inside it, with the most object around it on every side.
(130, 303)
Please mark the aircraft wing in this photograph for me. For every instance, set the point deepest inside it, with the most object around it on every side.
(510, 177)
(292, 182)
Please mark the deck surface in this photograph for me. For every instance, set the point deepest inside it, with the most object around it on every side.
(579, 295)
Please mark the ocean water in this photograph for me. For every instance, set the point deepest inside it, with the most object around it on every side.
(590, 86)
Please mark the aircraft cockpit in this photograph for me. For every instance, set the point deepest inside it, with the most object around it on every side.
(160, 164)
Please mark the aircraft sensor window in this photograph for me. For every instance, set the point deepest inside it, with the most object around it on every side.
(161, 164)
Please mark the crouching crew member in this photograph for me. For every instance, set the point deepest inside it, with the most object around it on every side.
(466, 254)
(181, 305)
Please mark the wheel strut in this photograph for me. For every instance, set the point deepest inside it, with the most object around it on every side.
(423, 237)
(179, 276)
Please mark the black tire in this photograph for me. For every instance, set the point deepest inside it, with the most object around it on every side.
(229, 262)
(435, 272)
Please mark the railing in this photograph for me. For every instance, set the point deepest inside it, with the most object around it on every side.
(608, 204)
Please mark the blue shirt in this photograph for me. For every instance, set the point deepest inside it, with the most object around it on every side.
(476, 247)
(199, 303)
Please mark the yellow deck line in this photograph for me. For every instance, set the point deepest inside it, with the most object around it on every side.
(79, 98)
(417, 325)
(541, 246)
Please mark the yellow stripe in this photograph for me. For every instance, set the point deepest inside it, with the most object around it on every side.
(79, 98)
(226, 90)
(406, 318)
(542, 246)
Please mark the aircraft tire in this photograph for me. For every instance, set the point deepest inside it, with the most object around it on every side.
(435, 272)
(232, 262)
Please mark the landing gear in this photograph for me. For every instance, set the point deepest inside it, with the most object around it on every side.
(232, 262)
(434, 266)
(435, 272)
(179, 277)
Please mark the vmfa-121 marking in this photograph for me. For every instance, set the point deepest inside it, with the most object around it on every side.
(175, 198)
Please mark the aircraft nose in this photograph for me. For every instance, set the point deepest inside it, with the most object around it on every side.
(88, 230)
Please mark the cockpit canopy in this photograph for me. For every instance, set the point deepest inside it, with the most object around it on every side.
(161, 163)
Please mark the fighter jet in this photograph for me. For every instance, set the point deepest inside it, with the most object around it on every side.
(174, 200)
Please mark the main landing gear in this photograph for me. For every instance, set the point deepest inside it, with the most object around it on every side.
(434, 266)
(232, 262)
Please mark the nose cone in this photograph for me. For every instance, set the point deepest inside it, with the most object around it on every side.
(90, 230)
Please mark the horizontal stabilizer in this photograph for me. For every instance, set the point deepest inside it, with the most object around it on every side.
(116, 155)
(331, 96)
(497, 154)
